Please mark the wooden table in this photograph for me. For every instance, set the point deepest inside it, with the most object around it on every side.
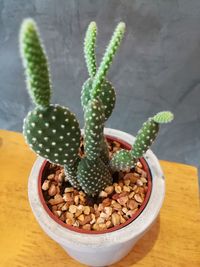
(174, 240)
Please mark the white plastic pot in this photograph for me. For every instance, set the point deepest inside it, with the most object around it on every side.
(107, 248)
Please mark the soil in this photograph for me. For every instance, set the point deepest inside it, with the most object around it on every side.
(112, 207)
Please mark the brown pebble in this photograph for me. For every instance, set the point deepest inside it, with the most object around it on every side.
(116, 206)
(46, 185)
(76, 200)
(52, 190)
(126, 188)
(68, 198)
(109, 224)
(81, 218)
(127, 182)
(123, 200)
(115, 219)
(132, 204)
(131, 195)
(86, 210)
(70, 221)
(65, 207)
(131, 177)
(138, 198)
(118, 189)
(78, 213)
(56, 201)
(108, 210)
(50, 176)
(144, 180)
(86, 227)
(102, 226)
(115, 196)
(72, 209)
(103, 194)
(106, 202)
(109, 189)
(130, 213)
(69, 215)
(69, 189)
(139, 182)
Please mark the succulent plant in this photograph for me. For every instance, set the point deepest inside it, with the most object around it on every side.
(53, 131)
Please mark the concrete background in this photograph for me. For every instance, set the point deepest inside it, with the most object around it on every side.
(157, 67)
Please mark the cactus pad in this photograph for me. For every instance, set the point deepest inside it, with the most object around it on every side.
(163, 117)
(145, 138)
(35, 64)
(94, 122)
(108, 58)
(93, 176)
(89, 48)
(53, 133)
(106, 94)
(122, 160)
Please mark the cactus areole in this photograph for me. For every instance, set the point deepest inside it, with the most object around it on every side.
(53, 131)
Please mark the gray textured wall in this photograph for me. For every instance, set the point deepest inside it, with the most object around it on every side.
(158, 66)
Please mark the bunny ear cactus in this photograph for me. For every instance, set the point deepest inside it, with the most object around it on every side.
(52, 131)
(123, 159)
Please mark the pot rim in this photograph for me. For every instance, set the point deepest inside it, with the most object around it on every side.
(132, 230)
(114, 228)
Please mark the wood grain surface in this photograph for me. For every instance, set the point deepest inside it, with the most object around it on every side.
(174, 240)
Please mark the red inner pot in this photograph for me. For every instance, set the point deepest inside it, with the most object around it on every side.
(124, 145)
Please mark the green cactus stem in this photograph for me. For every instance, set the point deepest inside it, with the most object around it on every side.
(107, 58)
(107, 96)
(104, 151)
(94, 124)
(124, 159)
(35, 63)
(93, 176)
(71, 173)
(89, 48)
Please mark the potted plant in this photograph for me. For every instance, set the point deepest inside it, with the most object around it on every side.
(96, 191)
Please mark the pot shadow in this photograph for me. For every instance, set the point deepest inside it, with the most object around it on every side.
(142, 247)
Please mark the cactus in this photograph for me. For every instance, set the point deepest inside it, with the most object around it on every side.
(53, 131)
(124, 159)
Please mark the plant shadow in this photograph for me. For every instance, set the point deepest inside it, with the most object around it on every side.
(142, 247)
